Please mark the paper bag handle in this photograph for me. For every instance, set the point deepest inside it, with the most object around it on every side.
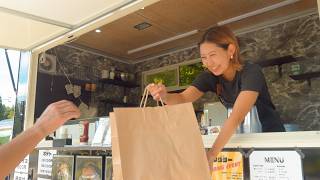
(145, 98)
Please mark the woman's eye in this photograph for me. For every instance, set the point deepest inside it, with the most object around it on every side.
(212, 55)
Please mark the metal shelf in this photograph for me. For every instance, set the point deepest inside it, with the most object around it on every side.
(306, 76)
(119, 83)
(77, 148)
(277, 62)
(112, 102)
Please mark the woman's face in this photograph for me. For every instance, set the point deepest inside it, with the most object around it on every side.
(215, 58)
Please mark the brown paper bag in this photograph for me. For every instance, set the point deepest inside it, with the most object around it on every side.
(116, 162)
(158, 143)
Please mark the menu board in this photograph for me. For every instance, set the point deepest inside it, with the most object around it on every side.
(228, 166)
(281, 165)
(45, 162)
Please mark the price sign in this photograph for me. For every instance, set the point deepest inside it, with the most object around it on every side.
(45, 162)
(20, 176)
(23, 167)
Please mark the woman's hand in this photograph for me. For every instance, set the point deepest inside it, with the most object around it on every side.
(55, 115)
(210, 157)
(158, 91)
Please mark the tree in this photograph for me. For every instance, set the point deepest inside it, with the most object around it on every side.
(2, 110)
(5, 112)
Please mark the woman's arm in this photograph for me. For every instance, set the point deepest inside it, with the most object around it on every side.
(158, 91)
(242, 106)
(55, 115)
(190, 94)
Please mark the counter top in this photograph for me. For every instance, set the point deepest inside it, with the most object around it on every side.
(299, 139)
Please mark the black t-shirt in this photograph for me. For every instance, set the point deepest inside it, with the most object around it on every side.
(249, 78)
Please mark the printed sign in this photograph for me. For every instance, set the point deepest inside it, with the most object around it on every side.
(45, 162)
(228, 165)
(275, 165)
(23, 167)
(20, 176)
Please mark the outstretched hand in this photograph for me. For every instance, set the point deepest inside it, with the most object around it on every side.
(55, 115)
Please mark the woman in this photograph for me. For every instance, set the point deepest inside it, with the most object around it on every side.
(239, 86)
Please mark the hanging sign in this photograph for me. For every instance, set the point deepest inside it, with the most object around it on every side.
(275, 165)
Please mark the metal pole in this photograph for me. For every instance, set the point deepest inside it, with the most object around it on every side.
(10, 70)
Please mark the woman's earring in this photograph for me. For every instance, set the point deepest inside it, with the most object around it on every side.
(204, 66)
(231, 57)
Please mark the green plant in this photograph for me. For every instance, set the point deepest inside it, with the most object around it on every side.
(187, 73)
(168, 78)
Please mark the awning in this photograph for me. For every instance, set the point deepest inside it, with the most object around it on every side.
(27, 24)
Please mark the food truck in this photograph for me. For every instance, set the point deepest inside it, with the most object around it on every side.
(102, 54)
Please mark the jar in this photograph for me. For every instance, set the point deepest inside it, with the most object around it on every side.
(131, 77)
(84, 129)
(105, 74)
(112, 73)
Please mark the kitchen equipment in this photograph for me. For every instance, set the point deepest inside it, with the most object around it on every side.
(251, 123)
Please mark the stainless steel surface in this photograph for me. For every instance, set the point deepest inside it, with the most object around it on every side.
(251, 123)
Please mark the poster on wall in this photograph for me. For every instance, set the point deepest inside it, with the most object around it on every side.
(88, 167)
(62, 167)
(275, 165)
(45, 162)
(228, 165)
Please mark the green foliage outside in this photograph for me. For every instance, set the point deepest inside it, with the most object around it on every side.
(168, 78)
(187, 73)
(4, 139)
(6, 112)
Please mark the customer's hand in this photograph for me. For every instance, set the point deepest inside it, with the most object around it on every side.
(157, 91)
(55, 115)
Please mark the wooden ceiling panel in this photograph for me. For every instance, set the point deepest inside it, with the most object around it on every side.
(170, 18)
(121, 36)
(164, 48)
(300, 6)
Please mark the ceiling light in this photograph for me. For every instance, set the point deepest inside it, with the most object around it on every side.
(259, 11)
(142, 26)
(163, 41)
(98, 31)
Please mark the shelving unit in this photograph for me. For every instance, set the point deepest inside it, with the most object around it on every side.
(126, 84)
(109, 101)
(306, 76)
(117, 82)
(77, 148)
(277, 62)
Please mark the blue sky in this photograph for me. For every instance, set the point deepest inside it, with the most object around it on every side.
(6, 90)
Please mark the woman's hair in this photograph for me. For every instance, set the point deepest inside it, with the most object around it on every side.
(222, 36)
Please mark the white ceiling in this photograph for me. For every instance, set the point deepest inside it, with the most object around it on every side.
(29, 23)
(72, 12)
